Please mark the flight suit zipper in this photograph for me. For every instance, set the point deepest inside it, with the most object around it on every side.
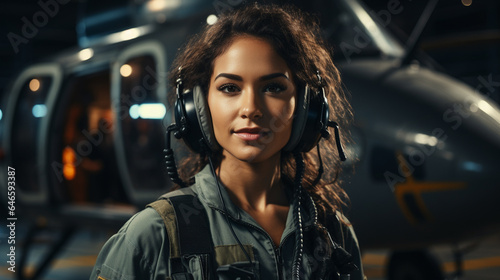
(277, 252)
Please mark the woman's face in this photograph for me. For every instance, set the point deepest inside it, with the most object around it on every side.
(252, 99)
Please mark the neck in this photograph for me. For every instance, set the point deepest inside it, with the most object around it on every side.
(253, 185)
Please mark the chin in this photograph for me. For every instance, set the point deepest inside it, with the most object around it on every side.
(251, 154)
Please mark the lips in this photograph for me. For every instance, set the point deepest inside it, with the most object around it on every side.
(250, 133)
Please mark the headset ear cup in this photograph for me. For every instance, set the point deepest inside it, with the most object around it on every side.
(187, 119)
(204, 118)
(310, 121)
(299, 120)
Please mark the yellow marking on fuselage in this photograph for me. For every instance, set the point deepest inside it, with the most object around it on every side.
(474, 264)
(410, 186)
(77, 261)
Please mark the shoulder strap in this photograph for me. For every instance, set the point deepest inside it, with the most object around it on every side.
(187, 226)
(193, 225)
(336, 227)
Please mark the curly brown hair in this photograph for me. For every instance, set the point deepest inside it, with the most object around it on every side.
(296, 38)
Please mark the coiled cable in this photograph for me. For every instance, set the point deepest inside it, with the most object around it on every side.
(299, 233)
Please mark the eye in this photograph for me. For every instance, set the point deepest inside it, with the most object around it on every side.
(274, 88)
(228, 88)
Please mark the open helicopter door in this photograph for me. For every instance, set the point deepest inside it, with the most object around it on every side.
(26, 124)
(139, 95)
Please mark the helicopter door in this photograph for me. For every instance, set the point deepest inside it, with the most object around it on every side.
(82, 160)
(26, 130)
(139, 98)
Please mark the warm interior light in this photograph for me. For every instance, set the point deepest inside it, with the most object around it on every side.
(34, 85)
(126, 70)
(467, 2)
(68, 158)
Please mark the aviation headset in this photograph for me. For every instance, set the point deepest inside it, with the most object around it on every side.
(310, 124)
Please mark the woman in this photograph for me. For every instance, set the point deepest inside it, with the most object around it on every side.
(270, 212)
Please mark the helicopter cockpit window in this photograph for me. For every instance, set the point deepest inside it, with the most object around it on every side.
(29, 111)
(84, 163)
(141, 114)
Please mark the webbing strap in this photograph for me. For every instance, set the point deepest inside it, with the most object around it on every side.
(192, 222)
(184, 214)
(167, 213)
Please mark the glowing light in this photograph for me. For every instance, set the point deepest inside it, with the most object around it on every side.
(130, 34)
(484, 106)
(86, 54)
(466, 2)
(161, 5)
(148, 111)
(126, 70)
(425, 139)
(1, 114)
(125, 35)
(212, 19)
(134, 111)
(152, 111)
(68, 158)
(34, 85)
(39, 110)
(472, 166)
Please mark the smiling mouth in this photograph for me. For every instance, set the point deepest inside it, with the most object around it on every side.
(250, 134)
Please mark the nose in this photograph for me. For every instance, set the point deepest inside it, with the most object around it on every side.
(251, 104)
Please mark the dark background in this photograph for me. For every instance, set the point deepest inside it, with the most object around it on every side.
(462, 40)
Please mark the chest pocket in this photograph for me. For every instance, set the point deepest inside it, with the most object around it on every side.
(232, 262)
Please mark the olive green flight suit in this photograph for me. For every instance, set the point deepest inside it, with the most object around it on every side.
(141, 249)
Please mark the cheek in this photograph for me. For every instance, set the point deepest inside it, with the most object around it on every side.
(283, 117)
(219, 112)
(288, 111)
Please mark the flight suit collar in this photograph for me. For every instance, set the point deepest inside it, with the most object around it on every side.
(206, 188)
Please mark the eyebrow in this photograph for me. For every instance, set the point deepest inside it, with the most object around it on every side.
(263, 78)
